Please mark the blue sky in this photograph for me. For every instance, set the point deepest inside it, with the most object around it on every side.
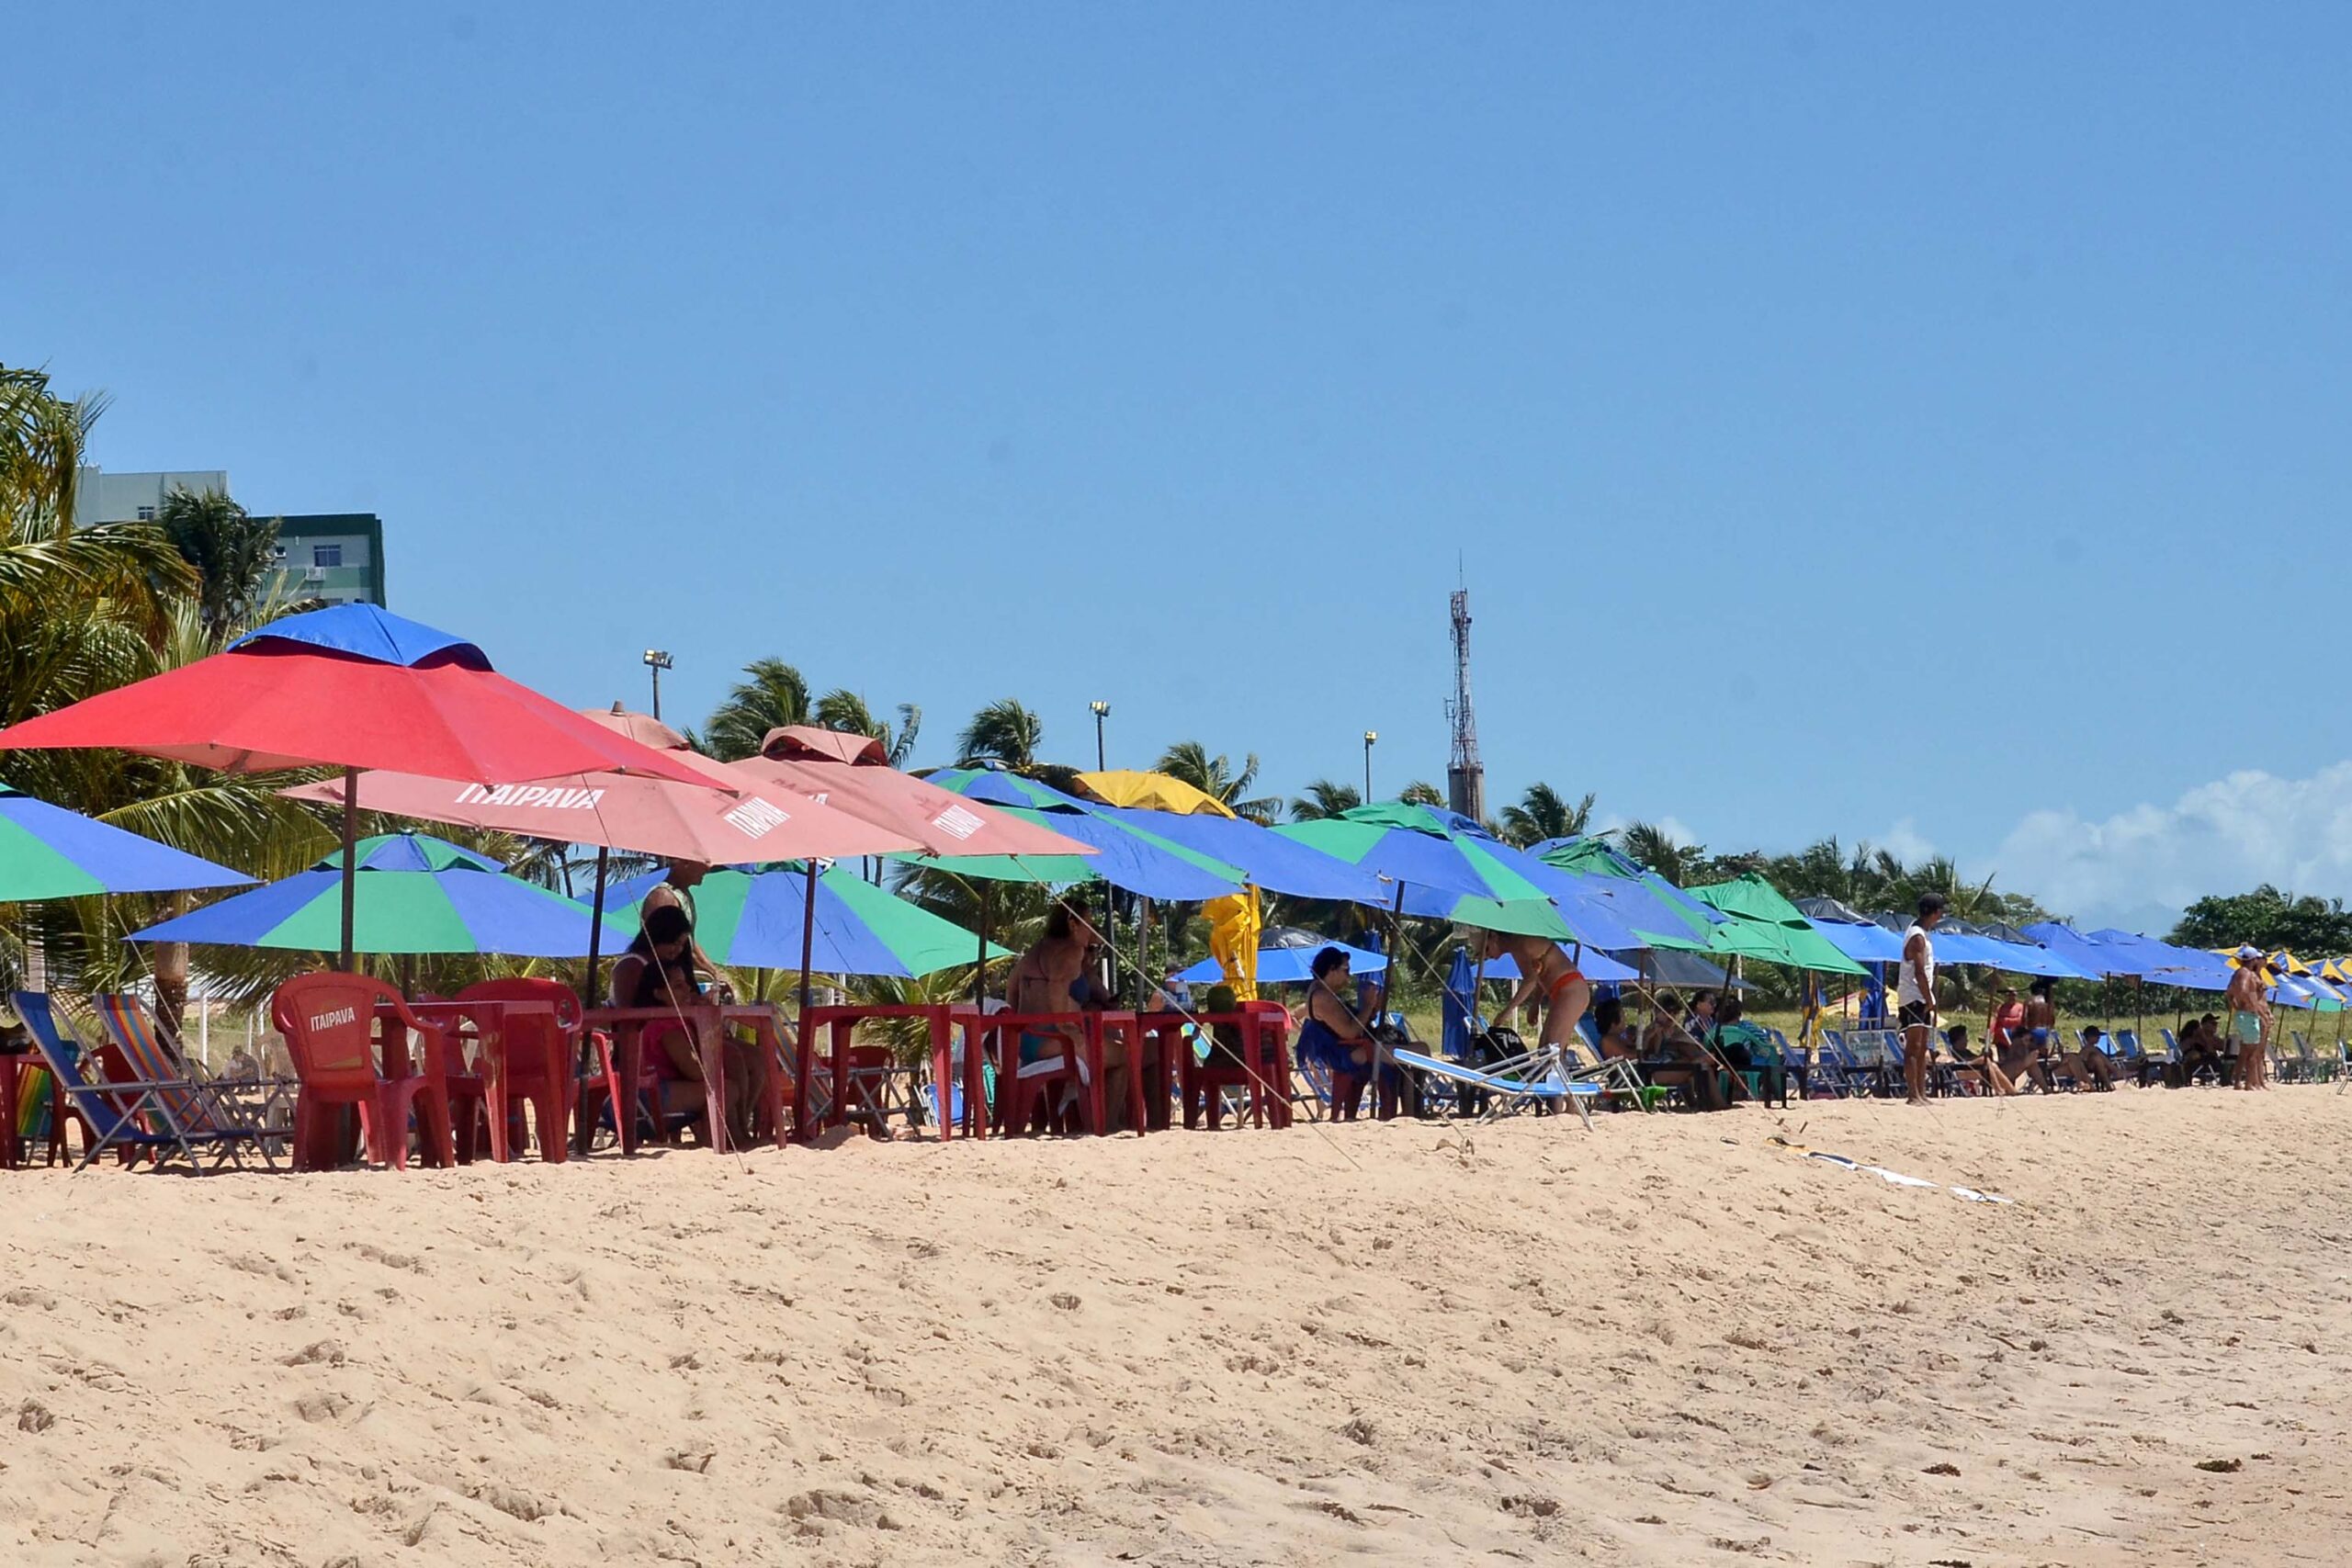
(1908, 425)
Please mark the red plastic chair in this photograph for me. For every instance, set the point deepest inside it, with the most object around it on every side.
(1022, 1090)
(330, 1023)
(1205, 1083)
(534, 1064)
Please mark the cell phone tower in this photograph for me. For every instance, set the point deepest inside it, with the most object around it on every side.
(1465, 776)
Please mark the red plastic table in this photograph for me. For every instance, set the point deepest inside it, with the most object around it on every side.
(11, 1156)
(840, 1022)
(710, 1021)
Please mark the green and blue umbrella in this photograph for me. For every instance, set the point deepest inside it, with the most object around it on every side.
(758, 919)
(1127, 855)
(1443, 865)
(413, 894)
(47, 851)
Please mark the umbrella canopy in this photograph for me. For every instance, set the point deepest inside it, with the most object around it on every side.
(1665, 914)
(1127, 856)
(2093, 958)
(759, 919)
(753, 821)
(1287, 965)
(852, 772)
(1765, 925)
(1265, 858)
(1152, 791)
(416, 895)
(47, 851)
(1599, 968)
(1867, 943)
(1443, 865)
(353, 687)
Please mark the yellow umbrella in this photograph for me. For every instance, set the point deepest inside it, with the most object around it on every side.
(1154, 792)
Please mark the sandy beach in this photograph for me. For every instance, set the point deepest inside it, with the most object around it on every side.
(1666, 1342)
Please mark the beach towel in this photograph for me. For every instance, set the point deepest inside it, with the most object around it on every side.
(1844, 1162)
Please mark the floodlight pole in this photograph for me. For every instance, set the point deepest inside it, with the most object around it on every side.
(1369, 737)
(658, 660)
(1101, 712)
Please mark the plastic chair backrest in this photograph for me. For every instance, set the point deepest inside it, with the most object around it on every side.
(2127, 1041)
(329, 1023)
(521, 989)
(2172, 1045)
(530, 1030)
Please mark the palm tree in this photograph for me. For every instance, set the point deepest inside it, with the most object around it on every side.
(770, 694)
(1421, 792)
(1654, 849)
(844, 710)
(1544, 813)
(1325, 799)
(1004, 732)
(1189, 762)
(234, 552)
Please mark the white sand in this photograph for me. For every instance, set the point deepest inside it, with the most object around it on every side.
(1664, 1343)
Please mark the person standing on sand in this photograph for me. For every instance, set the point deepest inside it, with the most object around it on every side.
(2250, 1019)
(1915, 992)
(1547, 971)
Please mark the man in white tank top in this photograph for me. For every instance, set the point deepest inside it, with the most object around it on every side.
(1915, 992)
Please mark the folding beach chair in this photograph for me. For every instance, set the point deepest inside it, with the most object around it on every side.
(1503, 1094)
(199, 1113)
(122, 1115)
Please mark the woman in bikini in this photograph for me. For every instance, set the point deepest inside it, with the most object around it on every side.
(1547, 971)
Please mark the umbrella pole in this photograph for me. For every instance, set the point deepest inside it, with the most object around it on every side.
(585, 1132)
(807, 941)
(1143, 957)
(980, 959)
(350, 864)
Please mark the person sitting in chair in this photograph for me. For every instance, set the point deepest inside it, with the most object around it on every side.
(1334, 1036)
(2091, 1066)
(657, 970)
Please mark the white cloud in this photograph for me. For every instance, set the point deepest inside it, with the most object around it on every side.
(2140, 868)
(1905, 841)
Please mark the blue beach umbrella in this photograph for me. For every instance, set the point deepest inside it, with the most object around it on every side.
(1288, 966)
(47, 851)
(413, 893)
(757, 919)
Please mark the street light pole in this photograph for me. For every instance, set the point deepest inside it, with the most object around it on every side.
(1370, 736)
(657, 661)
(1101, 712)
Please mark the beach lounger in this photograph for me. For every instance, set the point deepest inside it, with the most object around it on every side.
(200, 1113)
(1503, 1094)
(121, 1113)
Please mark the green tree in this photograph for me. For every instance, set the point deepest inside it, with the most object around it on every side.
(1189, 762)
(1004, 732)
(1324, 799)
(771, 696)
(1544, 813)
(844, 710)
(1654, 848)
(1421, 792)
(232, 552)
(2270, 919)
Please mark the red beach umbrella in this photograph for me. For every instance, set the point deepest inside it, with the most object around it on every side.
(854, 772)
(351, 687)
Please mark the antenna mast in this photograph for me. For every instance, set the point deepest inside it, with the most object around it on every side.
(1465, 776)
